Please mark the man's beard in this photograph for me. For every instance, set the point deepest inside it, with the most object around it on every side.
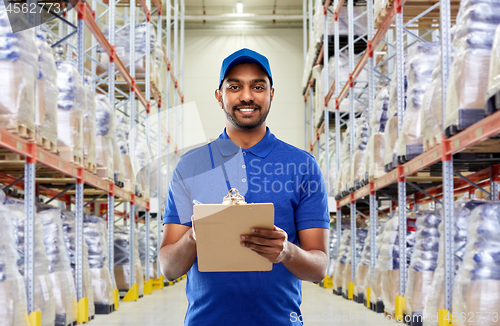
(232, 117)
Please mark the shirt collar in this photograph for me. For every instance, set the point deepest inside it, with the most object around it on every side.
(261, 149)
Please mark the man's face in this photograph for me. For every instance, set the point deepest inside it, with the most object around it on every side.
(245, 96)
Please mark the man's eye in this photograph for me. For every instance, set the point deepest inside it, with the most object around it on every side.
(233, 87)
(260, 88)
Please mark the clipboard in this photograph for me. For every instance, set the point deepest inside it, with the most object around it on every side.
(218, 230)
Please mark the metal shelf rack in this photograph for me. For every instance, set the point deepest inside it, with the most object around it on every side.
(400, 185)
(44, 172)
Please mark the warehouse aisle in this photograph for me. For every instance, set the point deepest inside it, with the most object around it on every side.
(168, 306)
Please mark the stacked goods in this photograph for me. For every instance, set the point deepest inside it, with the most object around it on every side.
(360, 243)
(461, 214)
(477, 285)
(493, 92)
(340, 265)
(46, 95)
(375, 282)
(333, 251)
(122, 261)
(105, 137)
(376, 144)
(345, 161)
(12, 290)
(362, 276)
(332, 165)
(68, 222)
(43, 296)
(391, 127)
(63, 285)
(319, 22)
(419, 67)
(357, 171)
(19, 70)
(89, 128)
(141, 237)
(423, 263)
(72, 104)
(141, 158)
(158, 64)
(95, 233)
(389, 261)
(468, 80)
(121, 134)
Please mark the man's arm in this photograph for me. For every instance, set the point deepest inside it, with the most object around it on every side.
(177, 250)
(308, 262)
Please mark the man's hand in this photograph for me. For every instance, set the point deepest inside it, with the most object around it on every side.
(271, 244)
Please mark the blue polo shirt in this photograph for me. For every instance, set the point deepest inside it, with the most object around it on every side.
(270, 171)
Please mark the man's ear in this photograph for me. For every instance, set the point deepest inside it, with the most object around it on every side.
(218, 97)
(272, 94)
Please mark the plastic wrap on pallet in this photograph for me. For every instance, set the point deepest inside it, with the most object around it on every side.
(379, 6)
(72, 104)
(119, 162)
(379, 115)
(43, 296)
(19, 70)
(345, 247)
(140, 158)
(477, 284)
(69, 220)
(423, 262)
(319, 22)
(95, 232)
(357, 170)
(344, 175)
(122, 125)
(46, 92)
(362, 275)
(468, 80)
(89, 125)
(419, 67)
(105, 137)
(461, 213)
(389, 261)
(494, 73)
(122, 262)
(159, 68)
(141, 237)
(332, 245)
(12, 289)
(376, 154)
(361, 235)
(60, 273)
(374, 281)
(332, 165)
(391, 127)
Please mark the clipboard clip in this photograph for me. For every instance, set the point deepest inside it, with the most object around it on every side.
(233, 198)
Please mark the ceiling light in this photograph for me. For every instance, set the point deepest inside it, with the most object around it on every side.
(239, 7)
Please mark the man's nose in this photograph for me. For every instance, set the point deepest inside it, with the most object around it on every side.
(246, 95)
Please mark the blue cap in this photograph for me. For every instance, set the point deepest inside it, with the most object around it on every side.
(242, 56)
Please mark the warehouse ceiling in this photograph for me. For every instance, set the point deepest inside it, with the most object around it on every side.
(222, 14)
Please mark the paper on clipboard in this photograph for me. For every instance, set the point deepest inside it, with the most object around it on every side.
(218, 230)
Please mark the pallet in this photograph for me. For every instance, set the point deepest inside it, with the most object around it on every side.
(466, 118)
(104, 309)
(412, 151)
(337, 291)
(47, 144)
(91, 167)
(61, 320)
(118, 180)
(22, 131)
(431, 142)
(492, 104)
(69, 155)
(389, 316)
(9, 156)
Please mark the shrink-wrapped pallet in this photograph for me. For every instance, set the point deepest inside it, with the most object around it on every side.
(122, 261)
(423, 262)
(345, 156)
(43, 295)
(69, 228)
(119, 173)
(362, 276)
(477, 286)
(340, 266)
(419, 68)
(375, 281)
(46, 94)
(19, 71)
(12, 290)
(494, 73)
(332, 161)
(468, 80)
(359, 12)
(357, 170)
(390, 259)
(141, 237)
(89, 128)
(374, 158)
(95, 232)
(361, 235)
(122, 126)
(60, 274)
(105, 137)
(72, 104)
(140, 159)
(333, 243)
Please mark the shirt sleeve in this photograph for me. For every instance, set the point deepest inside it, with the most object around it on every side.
(178, 208)
(312, 210)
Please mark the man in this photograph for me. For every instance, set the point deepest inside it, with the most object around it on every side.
(248, 155)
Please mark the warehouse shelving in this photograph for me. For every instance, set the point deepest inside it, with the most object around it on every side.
(45, 173)
(403, 185)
